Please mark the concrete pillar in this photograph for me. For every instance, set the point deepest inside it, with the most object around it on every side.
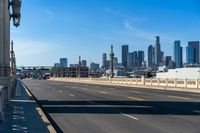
(1, 37)
(6, 39)
(143, 80)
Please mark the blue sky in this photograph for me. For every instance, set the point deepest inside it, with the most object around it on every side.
(51, 29)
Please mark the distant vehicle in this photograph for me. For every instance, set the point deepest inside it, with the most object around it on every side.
(46, 76)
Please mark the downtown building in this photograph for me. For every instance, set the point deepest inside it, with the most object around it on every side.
(158, 54)
(63, 62)
(178, 54)
(125, 51)
(155, 55)
(192, 52)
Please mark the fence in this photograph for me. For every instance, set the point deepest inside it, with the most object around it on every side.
(173, 83)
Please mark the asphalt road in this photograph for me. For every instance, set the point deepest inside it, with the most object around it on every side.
(88, 108)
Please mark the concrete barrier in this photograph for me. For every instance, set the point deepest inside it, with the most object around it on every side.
(180, 84)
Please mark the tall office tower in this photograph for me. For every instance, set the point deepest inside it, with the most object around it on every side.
(84, 63)
(157, 51)
(135, 59)
(150, 56)
(124, 55)
(115, 61)
(190, 56)
(130, 60)
(63, 62)
(140, 58)
(167, 60)
(178, 54)
(195, 45)
(104, 60)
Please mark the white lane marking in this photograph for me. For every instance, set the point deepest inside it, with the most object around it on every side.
(90, 102)
(132, 117)
(60, 91)
(135, 91)
(84, 89)
(71, 95)
(74, 87)
(103, 92)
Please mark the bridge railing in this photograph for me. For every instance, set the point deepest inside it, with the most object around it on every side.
(7, 85)
(3, 100)
(156, 82)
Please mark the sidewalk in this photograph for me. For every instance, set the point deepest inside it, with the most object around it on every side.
(21, 115)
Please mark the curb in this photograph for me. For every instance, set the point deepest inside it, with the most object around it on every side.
(44, 117)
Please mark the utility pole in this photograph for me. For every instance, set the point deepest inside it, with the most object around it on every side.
(111, 62)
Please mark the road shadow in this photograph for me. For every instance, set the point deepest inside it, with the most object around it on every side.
(116, 107)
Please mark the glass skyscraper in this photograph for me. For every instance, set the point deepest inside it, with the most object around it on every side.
(178, 54)
(124, 55)
(140, 58)
(195, 45)
(130, 60)
(63, 62)
(190, 56)
(150, 56)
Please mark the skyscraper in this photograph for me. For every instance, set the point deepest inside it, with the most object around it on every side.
(115, 61)
(195, 45)
(135, 59)
(104, 60)
(63, 62)
(158, 54)
(157, 51)
(150, 56)
(140, 58)
(84, 63)
(130, 60)
(124, 55)
(178, 54)
(167, 60)
(190, 56)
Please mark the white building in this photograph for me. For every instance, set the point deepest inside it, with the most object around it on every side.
(181, 73)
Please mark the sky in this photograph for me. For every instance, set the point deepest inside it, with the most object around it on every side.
(51, 29)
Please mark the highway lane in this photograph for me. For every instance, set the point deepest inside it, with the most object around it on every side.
(85, 108)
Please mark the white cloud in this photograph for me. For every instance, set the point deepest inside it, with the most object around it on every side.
(137, 32)
(48, 12)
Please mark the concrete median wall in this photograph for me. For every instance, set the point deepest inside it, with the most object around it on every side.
(188, 85)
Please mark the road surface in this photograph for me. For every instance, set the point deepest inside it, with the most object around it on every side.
(89, 108)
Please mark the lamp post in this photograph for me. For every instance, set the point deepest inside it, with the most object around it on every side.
(111, 62)
(16, 15)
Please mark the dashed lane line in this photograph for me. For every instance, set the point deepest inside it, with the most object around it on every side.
(71, 95)
(136, 98)
(179, 97)
(132, 117)
(103, 92)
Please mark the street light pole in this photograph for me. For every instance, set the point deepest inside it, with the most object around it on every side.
(111, 62)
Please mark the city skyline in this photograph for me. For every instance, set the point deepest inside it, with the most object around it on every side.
(88, 28)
